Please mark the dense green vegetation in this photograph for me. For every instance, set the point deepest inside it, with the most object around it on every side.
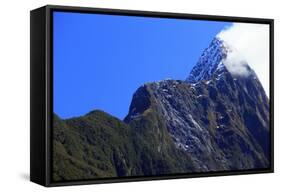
(98, 145)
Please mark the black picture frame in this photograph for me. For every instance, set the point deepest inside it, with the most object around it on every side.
(41, 85)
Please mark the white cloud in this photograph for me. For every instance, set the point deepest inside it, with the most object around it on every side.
(250, 43)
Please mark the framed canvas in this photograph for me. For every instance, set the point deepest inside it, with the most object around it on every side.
(125, 95)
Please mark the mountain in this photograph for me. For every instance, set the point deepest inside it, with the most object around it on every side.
(220, 120)
(212, 121)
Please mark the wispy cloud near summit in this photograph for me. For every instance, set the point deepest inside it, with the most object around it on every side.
(250, 43)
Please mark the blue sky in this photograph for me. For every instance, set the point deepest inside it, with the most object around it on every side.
(100, 60)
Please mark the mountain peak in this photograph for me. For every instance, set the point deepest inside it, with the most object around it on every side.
(210, 61)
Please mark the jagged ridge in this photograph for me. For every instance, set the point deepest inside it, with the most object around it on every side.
(211, 61)
(211, 104)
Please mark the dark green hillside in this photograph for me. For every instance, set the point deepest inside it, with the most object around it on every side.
(98, 145)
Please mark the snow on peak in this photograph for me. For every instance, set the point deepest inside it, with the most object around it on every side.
(210, 61)
(218, 58)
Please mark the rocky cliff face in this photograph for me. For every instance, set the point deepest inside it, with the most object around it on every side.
(210, 62)
(212, 121)
(220, 120)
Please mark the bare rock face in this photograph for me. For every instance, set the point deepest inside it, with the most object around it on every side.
(220, 120)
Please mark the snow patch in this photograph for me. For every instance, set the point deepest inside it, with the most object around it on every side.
(194, 122)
